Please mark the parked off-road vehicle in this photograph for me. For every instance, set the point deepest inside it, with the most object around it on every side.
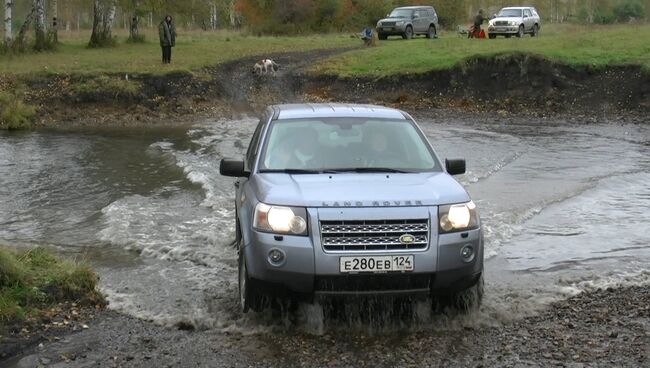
(409, 21)
(516, 21)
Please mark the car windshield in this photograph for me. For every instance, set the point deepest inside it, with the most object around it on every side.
(510, 13)
(401, 13)
(331, 145)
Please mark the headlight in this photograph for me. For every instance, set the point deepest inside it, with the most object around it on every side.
(512, 23)
(280, 220)
(457, 217)
(399, 24)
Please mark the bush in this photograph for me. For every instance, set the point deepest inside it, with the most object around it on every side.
(628, 10)
(14, 113)
(34, 280)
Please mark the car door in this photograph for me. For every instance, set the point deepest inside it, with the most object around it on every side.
(419, 19)
(528, 20)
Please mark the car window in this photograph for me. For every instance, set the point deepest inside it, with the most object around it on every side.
(418, 13)
(346, 143)
(510, 13)
(401, 13)
(527, 13)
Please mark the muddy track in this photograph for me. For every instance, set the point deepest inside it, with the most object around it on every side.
(518, 84)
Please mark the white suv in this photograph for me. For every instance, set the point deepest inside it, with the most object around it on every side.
(515, 21)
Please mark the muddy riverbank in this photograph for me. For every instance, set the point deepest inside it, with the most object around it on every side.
(512, 84)
(603, 328)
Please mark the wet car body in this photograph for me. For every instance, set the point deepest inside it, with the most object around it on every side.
(343, 227)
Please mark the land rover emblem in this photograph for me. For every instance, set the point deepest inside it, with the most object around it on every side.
(406, 239)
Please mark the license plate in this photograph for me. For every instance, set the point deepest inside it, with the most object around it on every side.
(376, 264)
(388, 28)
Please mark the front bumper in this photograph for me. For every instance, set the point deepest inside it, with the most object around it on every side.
(391, 30)
(502, 30)
(308, 268)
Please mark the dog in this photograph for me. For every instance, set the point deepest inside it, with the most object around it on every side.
(266, 66)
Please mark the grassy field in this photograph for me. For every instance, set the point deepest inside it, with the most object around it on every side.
(193, 50)
(571, 44)
(33, 281)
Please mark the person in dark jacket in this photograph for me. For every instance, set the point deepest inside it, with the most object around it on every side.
(478, 21)
(167, 33)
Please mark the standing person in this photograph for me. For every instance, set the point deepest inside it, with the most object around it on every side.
(478, 21)
(167, 33)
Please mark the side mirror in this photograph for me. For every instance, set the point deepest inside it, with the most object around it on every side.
(234, 168)
(415, 16)
(455, 166)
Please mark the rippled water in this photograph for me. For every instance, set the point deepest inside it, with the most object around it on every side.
(564, 208)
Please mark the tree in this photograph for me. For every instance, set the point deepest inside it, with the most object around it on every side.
(103, 17)
(9, 36)
(19, 42)
(39, 26)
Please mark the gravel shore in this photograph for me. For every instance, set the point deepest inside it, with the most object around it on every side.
(602, 328)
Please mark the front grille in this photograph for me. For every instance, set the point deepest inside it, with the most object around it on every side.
(388, 24)
(374, 235)
(371, 283)
(501, 23)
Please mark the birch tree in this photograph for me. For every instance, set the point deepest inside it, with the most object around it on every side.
(9, 36)
(39, 26)
(103, 17)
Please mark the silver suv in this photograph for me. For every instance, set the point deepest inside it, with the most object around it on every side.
(515, 21)
(351, 200)
(409, 21)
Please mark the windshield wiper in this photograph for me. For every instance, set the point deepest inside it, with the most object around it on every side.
(366, 170)
(291, 171)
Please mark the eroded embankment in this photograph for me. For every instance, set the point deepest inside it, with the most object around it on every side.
(513, 83)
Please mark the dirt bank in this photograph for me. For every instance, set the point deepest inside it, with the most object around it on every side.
(508, 84)
(604, 328)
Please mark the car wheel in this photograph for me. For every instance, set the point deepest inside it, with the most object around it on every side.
(520, 33)
(471, 298)
(431, 33)
(383, 36)
(249, 296)
(408, 33)
(492, 36)
(535, 32)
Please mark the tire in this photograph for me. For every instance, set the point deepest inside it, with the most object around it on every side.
(470, 299)
(383, 36)
(492, 36)
(249, 296)
(431, 32)
(535, 31)
(408, 33)
(520, 33)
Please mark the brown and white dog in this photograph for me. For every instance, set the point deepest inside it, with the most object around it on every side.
(266, 66)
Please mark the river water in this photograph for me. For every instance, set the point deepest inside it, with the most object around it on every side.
(565, 209)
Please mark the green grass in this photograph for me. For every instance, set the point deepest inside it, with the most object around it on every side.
(34, 280)
(14, 113)
(193, 50)
(571, 44)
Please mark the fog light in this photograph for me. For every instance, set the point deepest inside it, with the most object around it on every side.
(276, 257)
(467, 253)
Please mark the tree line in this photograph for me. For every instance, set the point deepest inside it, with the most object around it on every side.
(47, 17)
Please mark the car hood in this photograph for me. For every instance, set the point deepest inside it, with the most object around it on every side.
(358, 190)
(393, 19)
